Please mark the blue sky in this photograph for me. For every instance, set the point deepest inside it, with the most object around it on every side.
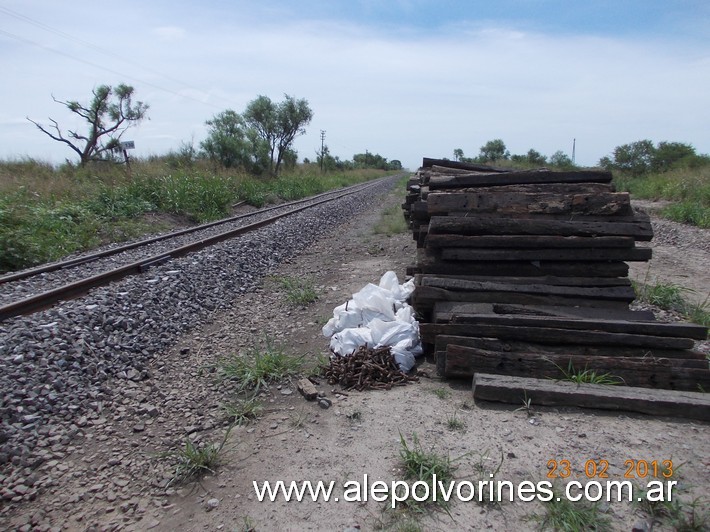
(406, 79)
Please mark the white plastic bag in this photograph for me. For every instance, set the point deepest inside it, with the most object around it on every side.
(377, 316)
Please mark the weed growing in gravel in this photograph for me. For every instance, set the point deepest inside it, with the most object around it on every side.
(486, 474)
(260, 367)
(421, 465)
(441, 393)
(454, 423)
(194, 461)
(670, 296)
(565, 515)
(243, 411)
(527, 405)
(299, 292)
(676, 514)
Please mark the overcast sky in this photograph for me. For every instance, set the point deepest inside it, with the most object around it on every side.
(403, 78)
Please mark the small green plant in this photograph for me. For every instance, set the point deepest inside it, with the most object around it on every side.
(260, 367)
(565, 515)
(688, 516)
(442, 393)
(300, 292)
(454, 423)
(194, 460)
(581, 376)
(243, 411)
(486, 474)
(527, 405)
(421, 465)
(670, 296)
(675, 514)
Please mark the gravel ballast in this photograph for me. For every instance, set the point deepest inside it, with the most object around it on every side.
(56, 365)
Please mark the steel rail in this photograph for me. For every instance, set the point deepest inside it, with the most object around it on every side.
(54, 266)
(73, 290)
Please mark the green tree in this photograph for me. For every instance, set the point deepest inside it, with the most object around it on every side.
(561, 160)
(494, 150)
(458, 154)
(278, 124)
(635, 158)
(231, 143)
(534, 157)
(109, 114)
(668, 154)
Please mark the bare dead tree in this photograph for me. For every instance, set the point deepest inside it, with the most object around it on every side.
(110, 113)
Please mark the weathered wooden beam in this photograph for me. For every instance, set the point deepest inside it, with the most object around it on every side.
(556, 188)
(621, 293)
(486, 225)
(542, 202)
(513, 346)
(581, 254)
(609, 269)
(428, 162)
(542, 176)
(527, 241)
(517, 390)
(675, 330)
(464, 362)
(546, 280)
(425, 297)
(554, 336)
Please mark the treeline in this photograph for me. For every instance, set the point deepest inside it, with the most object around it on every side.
(360, 161)
(495, 152)
(642, 157)
(259, 140)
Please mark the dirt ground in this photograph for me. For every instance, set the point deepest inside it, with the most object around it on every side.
(118, 476)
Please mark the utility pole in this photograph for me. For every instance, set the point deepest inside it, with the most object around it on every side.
(322, 149)
(574, 146)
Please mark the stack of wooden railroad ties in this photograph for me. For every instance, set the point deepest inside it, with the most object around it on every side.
(522, 284)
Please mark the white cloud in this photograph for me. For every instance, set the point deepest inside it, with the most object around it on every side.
(170, 33)
(404, 95)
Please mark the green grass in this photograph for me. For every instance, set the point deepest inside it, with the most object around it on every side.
(299, 292)
(677, 514)
(391, 222)
(442, 393)
(48, 212)
(258, 368)
(564, 515)
(687, 188)
(31, 233)
(194, 461)
(421, 465)
(454, 423)
(588, 376)
(673, 297)
(243, 411)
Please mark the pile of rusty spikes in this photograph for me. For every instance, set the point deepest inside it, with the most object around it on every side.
(367, 368)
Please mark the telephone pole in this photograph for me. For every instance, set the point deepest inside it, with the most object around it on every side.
(574, 147)
(322, 149)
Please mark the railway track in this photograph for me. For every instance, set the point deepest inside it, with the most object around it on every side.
(31, 290)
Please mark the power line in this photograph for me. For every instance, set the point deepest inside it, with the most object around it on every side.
(102, 50)
(96, 65)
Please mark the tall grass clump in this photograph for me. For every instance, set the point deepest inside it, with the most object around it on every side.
(687, 188)
(35, 232)
(48, 211)
(200, 197)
